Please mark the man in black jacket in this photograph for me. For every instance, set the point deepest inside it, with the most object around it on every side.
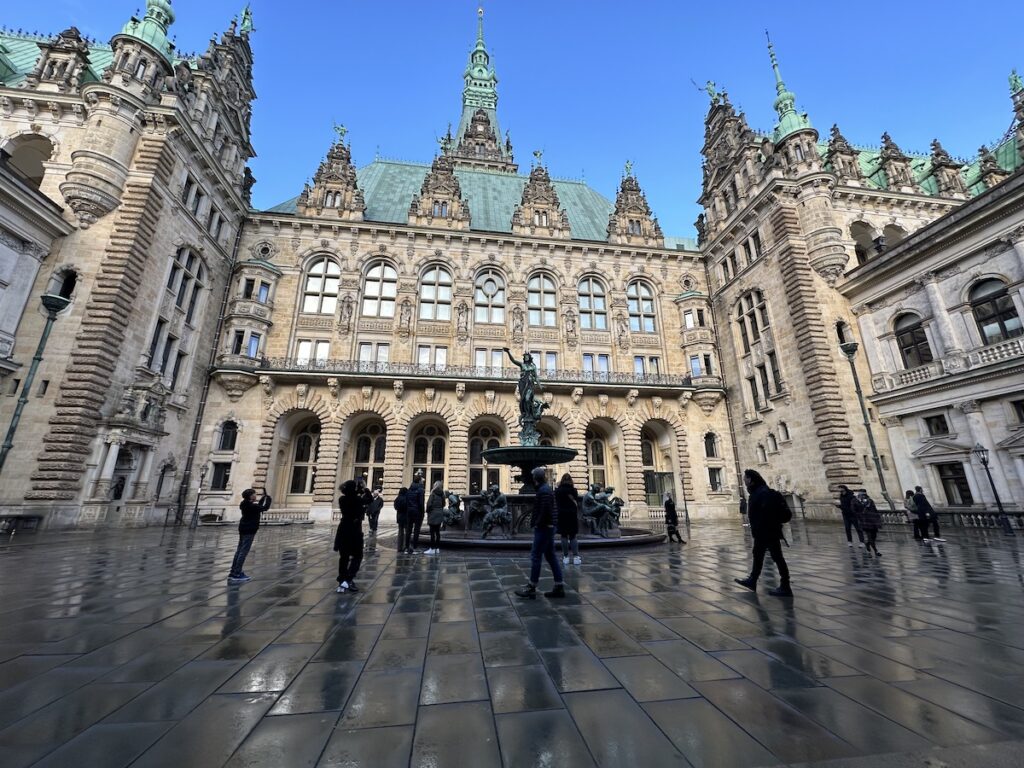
(247, 527)
(851, 518)
(766, 510)
(544, 520)
(348, 539)
(373, 510)
(414, 502)
(927, 512)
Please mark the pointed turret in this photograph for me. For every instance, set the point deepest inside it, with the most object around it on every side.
(632, 222)
(152, 28)
(790, 121)
(440, 202)
(476, 142)
(843, 158)
(896, 165)
(947, 172)
(334, 190)
(540, 212)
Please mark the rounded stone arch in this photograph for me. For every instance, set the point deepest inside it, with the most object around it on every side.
(743, 291)
(501, 410)
(306, 256)
(650, 278)
(440, 411)
(218, 430)
(973, 281)
(281, 408)
(504, 433)
(900, 312)
(367, 260)
(29, 151)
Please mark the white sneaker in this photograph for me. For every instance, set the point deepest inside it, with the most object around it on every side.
(849, 543)
(936, 538)
(860, 544)
(343, 587)
(565, 561)
(577, 561)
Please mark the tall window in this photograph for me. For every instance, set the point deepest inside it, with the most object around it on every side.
(373, 353)
(228, 436)
(305, 449)
(484, 359)
(640, 297)
(320, 295)
(596, 366)
(912, 341)
(482, 475)
(751, 317)
(312, 351)
(429, 453)
(542, 301)
(432, 355)
(783, 431)
(715, 478)
(954, 484)
(369, 455)
(489, 297)
(597, 457)
(593, 305)
(380, 290)
(436, 294)
(711, 446)
(994, 312)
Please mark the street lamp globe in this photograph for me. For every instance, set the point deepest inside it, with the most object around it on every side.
(849, 348)
(981, 452)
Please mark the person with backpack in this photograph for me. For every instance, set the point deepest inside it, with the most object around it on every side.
(402, 518)
(672, 519)
(567, 502)
(920, 532)
(348, 540)
(870, 520)
(848, 507)
(768, 512)
(247, 527)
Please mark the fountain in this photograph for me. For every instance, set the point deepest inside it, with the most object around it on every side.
(511, 513)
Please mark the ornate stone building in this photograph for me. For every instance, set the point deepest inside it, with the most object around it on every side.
(358, 328)
(786, 219)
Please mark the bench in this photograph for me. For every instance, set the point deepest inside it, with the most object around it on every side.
(12, 523)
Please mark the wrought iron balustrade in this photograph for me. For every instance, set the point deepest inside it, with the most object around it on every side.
(557, 376)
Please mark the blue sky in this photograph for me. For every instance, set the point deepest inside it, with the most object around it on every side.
(594, 83)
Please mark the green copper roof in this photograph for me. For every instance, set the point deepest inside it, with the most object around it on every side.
(790, 121)
(388, 187)
(152, 29)
(19, 54)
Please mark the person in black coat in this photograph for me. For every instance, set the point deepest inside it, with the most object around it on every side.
(870, 520)
(247, 527)
(672, 519)
(544, 520)
(373, 510)
(927, 513)
(348, 540)
(851, 518)
(567, 502)
(415, 499)
(766, 510)
(402, 518)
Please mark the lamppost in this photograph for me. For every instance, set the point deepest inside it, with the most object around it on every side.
(849, 348)
(982, 453)
(53, 304)
(195, 510)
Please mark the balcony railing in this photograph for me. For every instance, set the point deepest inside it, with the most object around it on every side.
(976, 358)
(559, 376)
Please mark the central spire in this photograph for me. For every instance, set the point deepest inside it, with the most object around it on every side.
(790, 120)
(478, 142)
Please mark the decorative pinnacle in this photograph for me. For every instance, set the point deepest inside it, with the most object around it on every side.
(539, 155)
(341, 130)
(780, 86)
(627, 171)
(480, 24)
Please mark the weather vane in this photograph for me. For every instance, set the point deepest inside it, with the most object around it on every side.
(539, 154)
(628, 170)
(341, 130)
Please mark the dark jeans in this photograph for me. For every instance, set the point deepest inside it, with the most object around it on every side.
(673, 530)
(544, 547)
(350, 556)
(416, 522)
(871, 534)
(934, 520)
(435, 536)
(244, 545)
(404, 536)
(851, 521)
(920, 528)
(774, 548)
(373, 522)
(570, 543)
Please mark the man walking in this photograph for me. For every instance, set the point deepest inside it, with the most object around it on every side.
(927, 513)
(544, 521)
(414, 502)
(848, 506)
(247, 527)
(768, 512)
(348, 539)
(373, 510)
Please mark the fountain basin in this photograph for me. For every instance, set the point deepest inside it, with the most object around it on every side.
(528, 457)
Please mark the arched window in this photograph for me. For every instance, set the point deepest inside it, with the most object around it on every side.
(436, 294)
(912, 341)
(380, 290)
(893, 233)
(489, 297)
(762, 455)
(542, 301)
(320, 295)
(994, 311)
(429, 453)
(783, 431)
(711, 446)
(751, 318)
(481, 474)
(640, 297)
(228, 436)
(27, 155)
(185, 282)
(863, 240)
(305, 449)
(773, 444)
(593, 305)
(597, 457)
(369, 454)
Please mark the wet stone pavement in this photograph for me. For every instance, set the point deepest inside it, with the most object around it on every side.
(128, 648)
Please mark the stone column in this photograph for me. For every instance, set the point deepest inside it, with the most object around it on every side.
(457, 472)
(951, 343)
(980, 433)
(632, 461)
(396, 452)
(907, 473)
(1018, 463)
(326, 472)
(102, 487)
(141, 485)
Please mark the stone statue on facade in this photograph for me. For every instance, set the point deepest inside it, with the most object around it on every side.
(517, 322)
(347, 308)
(1016, 84)
(601, 509)
(405, 318)
(531, 408)
(462, 320)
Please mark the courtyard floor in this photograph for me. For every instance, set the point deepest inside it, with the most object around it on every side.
(128, 648)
